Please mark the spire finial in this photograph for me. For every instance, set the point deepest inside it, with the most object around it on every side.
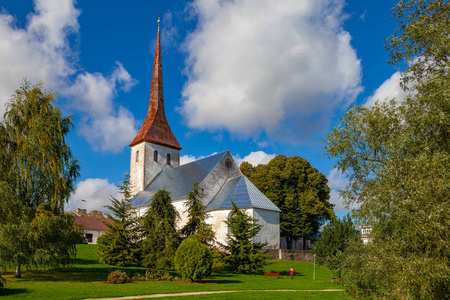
(159, 19)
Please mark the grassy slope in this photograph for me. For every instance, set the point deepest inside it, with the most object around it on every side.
(85, 280)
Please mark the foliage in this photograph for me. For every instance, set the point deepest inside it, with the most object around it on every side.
(335, 238)
(151, 274)
(196, 224)
(2, 281)
(161, 236)
(244, 255)
(298, 189)
(193, 260)
(120, 245)
(397, 157)
(37, 175)
(95, 214)
(118, 276)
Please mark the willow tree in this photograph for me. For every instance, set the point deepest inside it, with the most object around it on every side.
(396, 155)
(37, 176)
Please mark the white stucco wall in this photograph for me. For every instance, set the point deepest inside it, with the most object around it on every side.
(95, 235)
(143, 169)
(270, 232)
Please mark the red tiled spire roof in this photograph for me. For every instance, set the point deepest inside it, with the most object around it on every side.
(155, 128)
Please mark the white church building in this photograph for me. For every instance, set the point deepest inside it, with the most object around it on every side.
(155, 165)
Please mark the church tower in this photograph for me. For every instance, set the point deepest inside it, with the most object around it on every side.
(155, 147)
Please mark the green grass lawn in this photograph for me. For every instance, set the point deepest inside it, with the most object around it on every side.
(85, 280)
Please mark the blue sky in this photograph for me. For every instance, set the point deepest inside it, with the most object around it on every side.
(256, 77)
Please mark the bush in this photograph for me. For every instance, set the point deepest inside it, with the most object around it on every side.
(2, 281)
(157, 275)
(118, 277)
(193, 260)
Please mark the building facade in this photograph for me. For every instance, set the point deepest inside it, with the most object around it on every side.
(155, 165)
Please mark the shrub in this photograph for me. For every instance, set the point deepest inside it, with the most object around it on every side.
(2, 281)
(118, 277)
(157, 275)
(193, 260)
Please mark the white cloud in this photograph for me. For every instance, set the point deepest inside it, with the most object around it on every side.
(389, 89)
(41, 52)
(256, 158)
(103, 126)
(278, 66)
(336, 182)
(97, 193)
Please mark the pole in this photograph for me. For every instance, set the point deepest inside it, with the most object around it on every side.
(314, 272)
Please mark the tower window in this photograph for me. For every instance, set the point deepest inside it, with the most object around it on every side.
(137, 156)
(168, 159)
(155, 155)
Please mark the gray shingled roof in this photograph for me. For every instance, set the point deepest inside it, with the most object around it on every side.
(179, 180)
(243, 193)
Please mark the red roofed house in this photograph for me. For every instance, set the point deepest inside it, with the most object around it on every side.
(93, 227)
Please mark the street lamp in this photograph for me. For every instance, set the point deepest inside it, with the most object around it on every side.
(314, 272)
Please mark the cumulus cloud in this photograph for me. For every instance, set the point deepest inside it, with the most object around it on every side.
(336, 182)
(389, 89)
(103, 125)
(96, 192)
(278, 66)
(41, 51)
(256, 158)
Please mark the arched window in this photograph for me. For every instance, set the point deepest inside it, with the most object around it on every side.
(168, 159)
(155, 155)
(137, 156)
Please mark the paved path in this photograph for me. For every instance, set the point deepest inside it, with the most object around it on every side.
(208, 293)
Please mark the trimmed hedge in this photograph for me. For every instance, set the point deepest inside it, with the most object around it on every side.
(193, 260)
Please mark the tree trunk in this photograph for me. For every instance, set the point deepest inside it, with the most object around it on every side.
(18, 273)
(288, 243)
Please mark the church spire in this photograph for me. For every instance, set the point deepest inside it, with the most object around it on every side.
(155, 128)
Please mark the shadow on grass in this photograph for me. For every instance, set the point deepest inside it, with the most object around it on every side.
(9, 292)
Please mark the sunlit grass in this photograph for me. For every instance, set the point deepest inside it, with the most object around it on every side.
(85, 279)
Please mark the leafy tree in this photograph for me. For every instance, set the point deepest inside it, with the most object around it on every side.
(244, 255)
(396, 155)
(37, 175)
(193, 260)
(196, 224)
(298, 189)
(120, 245)
(96, 214)
(161, 237)
(335, 238)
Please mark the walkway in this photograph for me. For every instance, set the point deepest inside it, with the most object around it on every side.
(208, 293)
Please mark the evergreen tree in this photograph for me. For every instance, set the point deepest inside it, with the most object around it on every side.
(120, 245)
(244, 254)
(335, 238)
(161, 237)
(37, 176)
(196, 224)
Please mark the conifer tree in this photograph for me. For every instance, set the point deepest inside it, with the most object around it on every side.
(120, 245)
(196, 224)
(161, 238)
(244, 254)
(335, 238)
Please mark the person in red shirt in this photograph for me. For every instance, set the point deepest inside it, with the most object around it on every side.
(292, 273)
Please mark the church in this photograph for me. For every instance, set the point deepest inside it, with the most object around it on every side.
(155, 165)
